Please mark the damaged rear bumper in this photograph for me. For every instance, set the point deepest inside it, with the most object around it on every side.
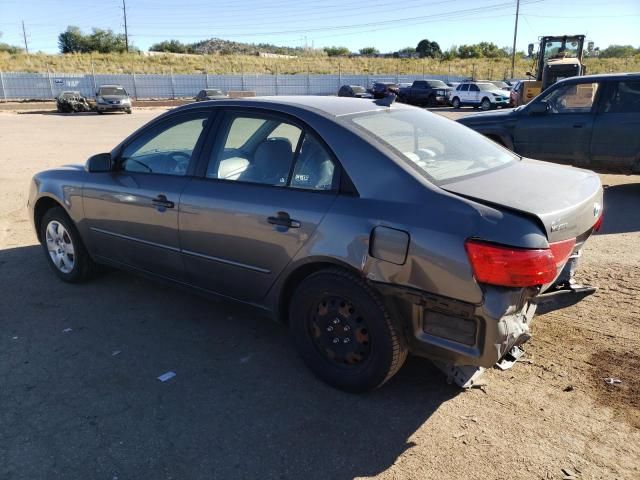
(459, 333)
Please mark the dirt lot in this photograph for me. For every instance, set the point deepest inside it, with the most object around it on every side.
(243, 406)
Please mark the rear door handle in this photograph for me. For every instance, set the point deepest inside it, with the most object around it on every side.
(161, 201)
(284, 220)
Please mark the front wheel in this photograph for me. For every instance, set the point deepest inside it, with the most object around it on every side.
(129, 111)
(455, 103)
(432, 102)
(63, 247)
(485, 104)
(343, 332)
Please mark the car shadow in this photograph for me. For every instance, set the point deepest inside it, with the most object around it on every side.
(621, 209)
(80, 363)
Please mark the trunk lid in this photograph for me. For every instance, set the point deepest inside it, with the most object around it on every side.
(566, 200)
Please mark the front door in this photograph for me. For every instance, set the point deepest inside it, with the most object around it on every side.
(132, 212)
(563, 133)
(267, 186)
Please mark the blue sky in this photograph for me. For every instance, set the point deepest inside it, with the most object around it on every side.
(385, 24)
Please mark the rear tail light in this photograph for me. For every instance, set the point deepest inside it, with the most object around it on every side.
(517, 267)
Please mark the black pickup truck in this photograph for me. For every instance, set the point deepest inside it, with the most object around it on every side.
(425, 92)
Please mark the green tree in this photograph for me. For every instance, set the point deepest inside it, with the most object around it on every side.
(172, 46)
(369, 51)
(619, 51)
(337, 51)
(429, 49)
(72, 41)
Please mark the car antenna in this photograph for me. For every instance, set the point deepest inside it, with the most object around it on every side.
(387, 100)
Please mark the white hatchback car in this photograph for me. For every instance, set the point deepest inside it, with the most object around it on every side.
(479, 94)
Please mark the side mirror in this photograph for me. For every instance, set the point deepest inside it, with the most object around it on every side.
(530, 49)
(101, 162)
(538, 108)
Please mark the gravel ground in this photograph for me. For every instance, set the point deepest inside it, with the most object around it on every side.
(85, 403)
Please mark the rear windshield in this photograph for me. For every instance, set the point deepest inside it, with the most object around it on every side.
(112, 91)
(212, 93)
(439, 149)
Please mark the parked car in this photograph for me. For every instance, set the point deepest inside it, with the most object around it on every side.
(519, 95)
(500, 84)
(305, 207)
(589, 121)
(382, 89)
(210, 94)
(478, 94)
(112, 98)
(428, 93)
(357, 91)
(71, 102)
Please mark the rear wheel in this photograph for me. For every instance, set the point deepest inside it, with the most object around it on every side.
(343, 332)
(485, 104)
(63, 247)
(455, 103)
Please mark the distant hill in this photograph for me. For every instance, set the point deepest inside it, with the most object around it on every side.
(228, 47)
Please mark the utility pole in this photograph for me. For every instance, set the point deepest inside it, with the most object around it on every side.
(515, 36)
(126, 33)
(24, 35)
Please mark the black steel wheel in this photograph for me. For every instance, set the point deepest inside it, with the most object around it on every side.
(432, 102)
(343, 331)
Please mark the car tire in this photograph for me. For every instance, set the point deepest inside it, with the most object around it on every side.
(432, 102)
(100, 112)
(343, 331)
(455, 103)
(129, 111)
(485, 104)
(63, 248)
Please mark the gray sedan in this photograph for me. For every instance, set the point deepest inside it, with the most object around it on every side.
(371, 230)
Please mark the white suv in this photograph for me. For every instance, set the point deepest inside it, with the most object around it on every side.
(479, 94)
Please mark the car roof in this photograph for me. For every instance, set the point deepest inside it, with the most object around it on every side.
(328, 105)
(605, 76)
(111, 85)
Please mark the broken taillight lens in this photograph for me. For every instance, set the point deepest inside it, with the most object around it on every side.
(517, 267)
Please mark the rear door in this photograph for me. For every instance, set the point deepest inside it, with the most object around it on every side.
(267, 183)
(615, 141)
(563, 133)
(474, 94)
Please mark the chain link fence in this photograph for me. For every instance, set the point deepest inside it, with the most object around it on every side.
(46, 86)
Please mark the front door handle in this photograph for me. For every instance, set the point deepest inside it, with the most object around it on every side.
(161, 201)
(284, 220)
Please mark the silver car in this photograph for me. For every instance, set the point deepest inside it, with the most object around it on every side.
(373, 231)
(112, 98)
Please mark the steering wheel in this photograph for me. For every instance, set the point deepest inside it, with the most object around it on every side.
(181, 162)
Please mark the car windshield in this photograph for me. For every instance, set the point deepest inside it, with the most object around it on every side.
(213, 93)
(112, 91)
(486, 87)
(357, 89)
(561, 49)
(501, 85)
(437, 84)
(437, 148)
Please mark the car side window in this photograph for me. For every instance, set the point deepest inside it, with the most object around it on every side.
(314, 168)
(625, 98)
(165, 149)
(473, 88)
(255, 150)
(572, 98)
(464, 88)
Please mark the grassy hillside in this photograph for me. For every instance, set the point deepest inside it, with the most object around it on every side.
(221, 64)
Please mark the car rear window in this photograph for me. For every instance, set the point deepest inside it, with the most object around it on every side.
(112, 91)
(437, 148)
